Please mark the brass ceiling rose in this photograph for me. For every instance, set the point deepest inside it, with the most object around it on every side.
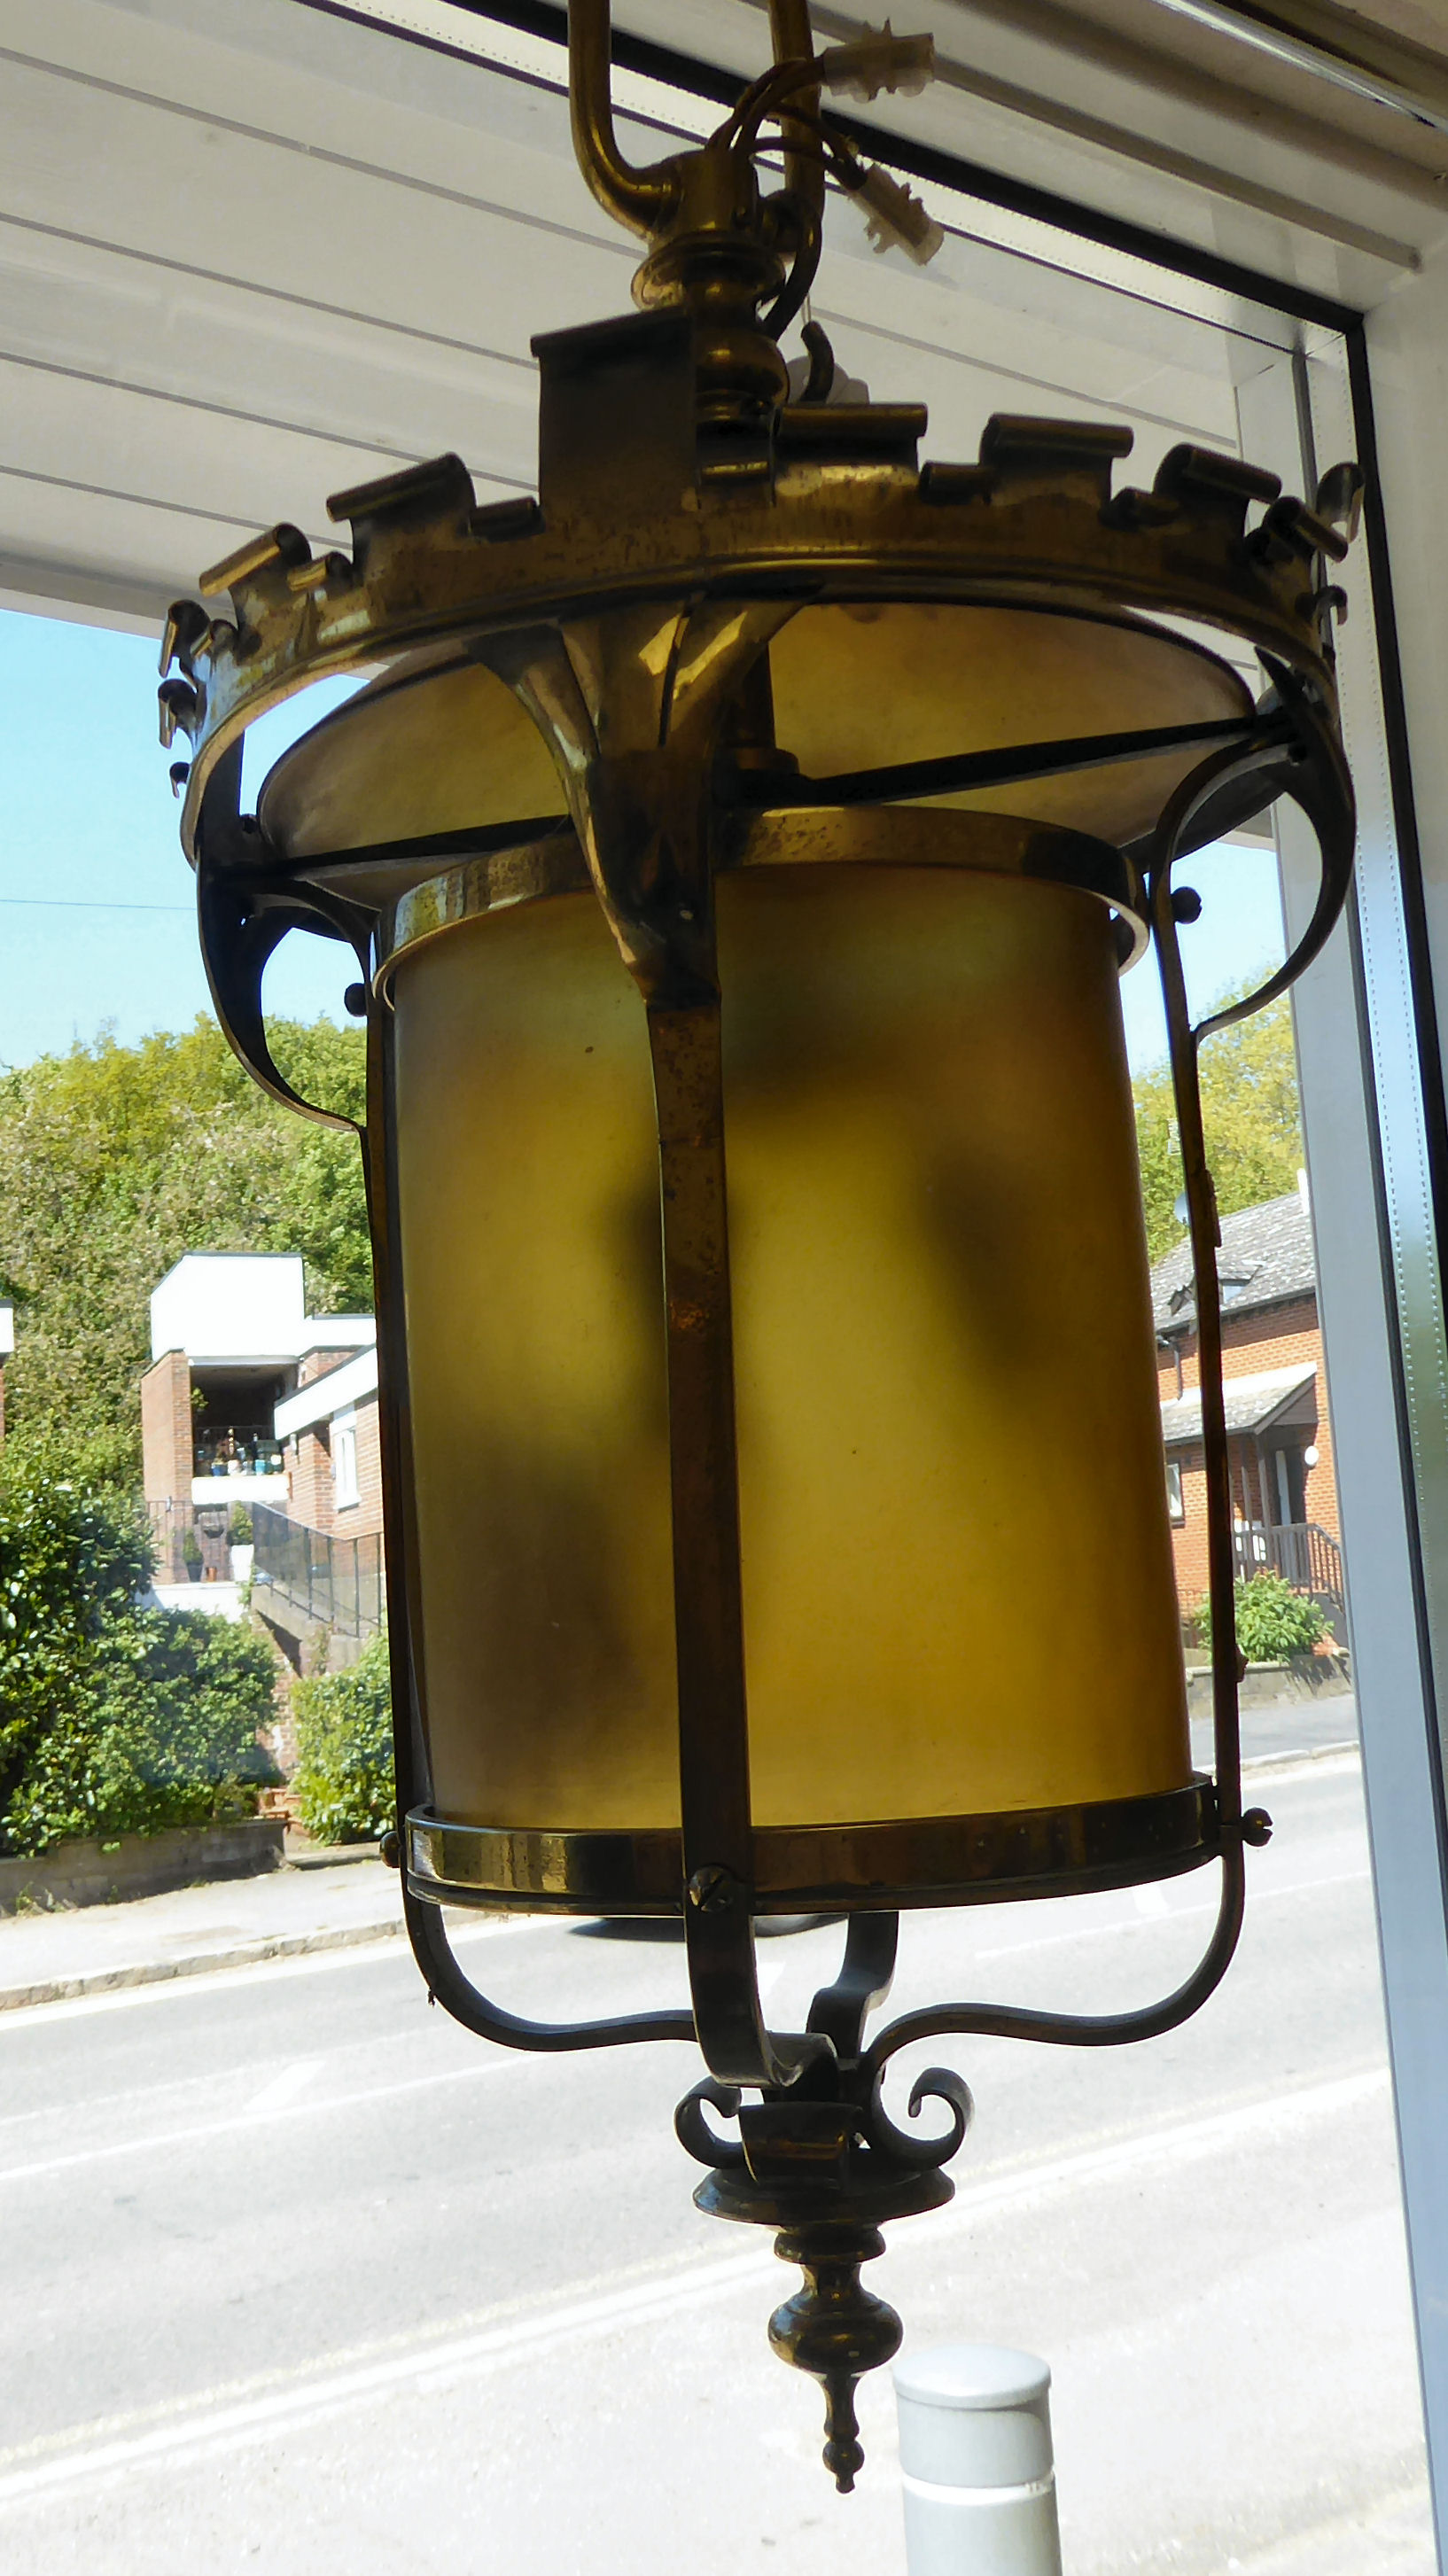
(760, 786)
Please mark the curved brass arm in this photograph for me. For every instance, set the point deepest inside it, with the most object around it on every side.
(804, 172)
(642, 199)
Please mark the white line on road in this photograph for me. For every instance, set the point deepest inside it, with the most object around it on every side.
(328, 2389)
(1141, 1920)
(278, 2099)
(263, 2112)
(1186, 2142)
(283, 2089)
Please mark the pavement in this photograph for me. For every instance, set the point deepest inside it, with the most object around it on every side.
(334, 1901)
(52, 1957)
(1286, 1730)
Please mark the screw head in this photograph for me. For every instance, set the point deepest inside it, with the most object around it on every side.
(354, 1000)
(1256, 1827)
(390, 1850)
(710, 1888)
(1186, 904)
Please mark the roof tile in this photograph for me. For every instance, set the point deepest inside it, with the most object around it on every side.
(1266, 1255)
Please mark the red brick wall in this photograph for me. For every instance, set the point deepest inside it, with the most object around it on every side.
(310, 1498)
(1266, 1338)
(309, 1477)
(317, 1363)
(166, 1429)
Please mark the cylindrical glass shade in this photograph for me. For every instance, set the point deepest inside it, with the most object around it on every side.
(958, 1586)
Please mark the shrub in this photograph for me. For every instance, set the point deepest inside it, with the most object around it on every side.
(344, 1783)
(1273, 1621)
(112, 1719)
(159, 1728)
(238, 1528)
(73, 1557)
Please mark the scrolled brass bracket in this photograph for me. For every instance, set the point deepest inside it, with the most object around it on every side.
(824, 2166)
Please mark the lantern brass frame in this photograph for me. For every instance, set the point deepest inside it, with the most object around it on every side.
(685, 513)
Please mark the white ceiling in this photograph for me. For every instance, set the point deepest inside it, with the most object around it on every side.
(249, 255)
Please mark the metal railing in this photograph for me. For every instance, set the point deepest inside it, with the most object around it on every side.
(330, 1582)
(191, 1542)
(1305, 1555)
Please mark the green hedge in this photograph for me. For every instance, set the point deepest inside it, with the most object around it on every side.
(162, 1730)
(113, 1720)
(344, 1783)
(1273, 1621)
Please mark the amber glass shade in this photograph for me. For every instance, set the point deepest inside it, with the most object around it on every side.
(449, 746)
(957, 1573)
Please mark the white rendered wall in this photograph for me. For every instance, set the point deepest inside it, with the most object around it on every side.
(231, 1306)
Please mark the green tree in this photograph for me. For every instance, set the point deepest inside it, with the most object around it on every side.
(1250, 1112)
(114, 1160)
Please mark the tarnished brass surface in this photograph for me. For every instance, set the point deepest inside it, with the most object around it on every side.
(865, 836)
(529, 874)
(943, 1356)
(627, 514)
(982, 1859)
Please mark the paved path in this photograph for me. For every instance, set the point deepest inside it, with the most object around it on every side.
(1285, 1729)
(234, 1922)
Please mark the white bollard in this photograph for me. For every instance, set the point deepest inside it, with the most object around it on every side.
(975, 2451)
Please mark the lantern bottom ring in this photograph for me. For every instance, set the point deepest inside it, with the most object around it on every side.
(806, 1869)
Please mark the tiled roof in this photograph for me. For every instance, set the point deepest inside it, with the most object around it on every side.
(1266, 1255)
(1252, 1402)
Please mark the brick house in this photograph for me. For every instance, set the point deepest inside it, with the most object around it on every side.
(231, 1341)
(230, 1337)
(327, 1431)
(1279, 1438)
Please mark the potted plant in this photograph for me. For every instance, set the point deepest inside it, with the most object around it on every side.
(239, 1533)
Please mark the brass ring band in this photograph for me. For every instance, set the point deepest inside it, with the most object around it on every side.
(805, 1869)
(866, 835)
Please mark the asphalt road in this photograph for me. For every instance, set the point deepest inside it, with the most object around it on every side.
(299, 2276)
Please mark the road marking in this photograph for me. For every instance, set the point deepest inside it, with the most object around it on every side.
(1169, 1913)
(264, 2113)
(223, 2419)
(1187, 2142)
(1152, 1901)
(283, 2089)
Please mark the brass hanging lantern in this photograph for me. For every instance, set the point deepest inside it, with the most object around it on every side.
(756, 785)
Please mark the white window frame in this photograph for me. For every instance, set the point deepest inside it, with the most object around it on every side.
(345, 1493)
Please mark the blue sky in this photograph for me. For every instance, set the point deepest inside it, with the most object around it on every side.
(96, 915)
(97, 918)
